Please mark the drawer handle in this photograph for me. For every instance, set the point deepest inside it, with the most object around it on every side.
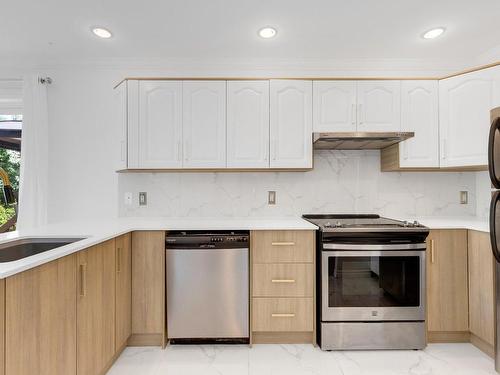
(432, 251)
(282, 280)
(290, 315)
(283, 243)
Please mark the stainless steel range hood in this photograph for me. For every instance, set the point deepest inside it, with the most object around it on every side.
(358, 140)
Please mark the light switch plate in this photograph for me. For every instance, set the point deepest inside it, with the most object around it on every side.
(464, 197)
(271, 197)
(143, 198)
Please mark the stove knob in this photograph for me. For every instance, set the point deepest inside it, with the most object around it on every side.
(406, 223)
(338, 224)
(416, 223)
(328, 225)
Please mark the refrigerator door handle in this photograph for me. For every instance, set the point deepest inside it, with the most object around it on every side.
(495, 126)
(493, 234)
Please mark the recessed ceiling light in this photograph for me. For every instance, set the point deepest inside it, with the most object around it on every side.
(433, 33)
(102, 32)
(267, 32)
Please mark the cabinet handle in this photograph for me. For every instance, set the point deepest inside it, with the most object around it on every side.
(288, 315)
(283, 243)
(123, 151)
(179, 150)
(83, 280)
(283, 281)
(119, 260)
(353, 114)
(432, 251)
(443, 149)
(360, 113)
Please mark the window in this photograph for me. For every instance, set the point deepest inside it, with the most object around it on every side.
(10, 158)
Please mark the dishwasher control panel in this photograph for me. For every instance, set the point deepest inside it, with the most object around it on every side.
(207, 239)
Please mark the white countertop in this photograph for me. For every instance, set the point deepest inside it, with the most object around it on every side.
(98, 231)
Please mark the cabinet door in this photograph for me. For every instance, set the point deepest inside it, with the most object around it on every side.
(96, 308)
(148, 288)
(160, 124)
(40, 320)
(334, 106)
(420, 114)
(248, 124)
(123, 290)
(481, 287)
(465, 102)
(291, 124)
(120, 121)
(447, 291)
(204, 124)
(379, 106)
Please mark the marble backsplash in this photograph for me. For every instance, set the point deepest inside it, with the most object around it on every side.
(341, 182)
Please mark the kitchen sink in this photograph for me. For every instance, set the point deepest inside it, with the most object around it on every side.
(23, 248)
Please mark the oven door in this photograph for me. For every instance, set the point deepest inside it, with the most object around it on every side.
(373, 285)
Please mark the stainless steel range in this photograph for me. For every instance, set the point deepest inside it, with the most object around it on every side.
(371, 282)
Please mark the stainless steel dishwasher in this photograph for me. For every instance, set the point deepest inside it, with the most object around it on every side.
(207, 287)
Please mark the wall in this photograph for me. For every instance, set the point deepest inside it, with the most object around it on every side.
(341, 182)
(83, 150)
(483, 193)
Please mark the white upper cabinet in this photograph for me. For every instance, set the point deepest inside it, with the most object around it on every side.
(291, 123)
(204, 119)
(379, 106)
(248, 124)
(420, 114)
(334, 106)
(160, 124)
(120, 120)
(465, 102)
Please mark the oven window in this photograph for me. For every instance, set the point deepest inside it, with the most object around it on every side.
(380, 281)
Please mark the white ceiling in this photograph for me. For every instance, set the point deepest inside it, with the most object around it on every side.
(59, 30)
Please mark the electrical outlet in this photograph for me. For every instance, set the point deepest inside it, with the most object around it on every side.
(271, 197)
(464, 197)
(143, 198)
(127, 199)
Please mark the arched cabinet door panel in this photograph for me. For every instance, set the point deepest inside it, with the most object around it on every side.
(291, 123)
(379, 106)
(248, 124)
(204, 119)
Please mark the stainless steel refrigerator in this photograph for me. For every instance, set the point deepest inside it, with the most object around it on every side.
(494, 168)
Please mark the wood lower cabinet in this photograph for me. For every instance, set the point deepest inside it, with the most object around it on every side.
(447, 286)
(282, 286)
(481, 291)
(96, 308)
(123, 300)
(40, 320)
(148, 288)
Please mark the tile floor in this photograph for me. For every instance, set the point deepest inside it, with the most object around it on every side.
(436, 359)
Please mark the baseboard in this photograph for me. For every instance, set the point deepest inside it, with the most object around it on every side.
(282, 337)
(113, 360)
(444, 337)
(145, 339)
(482, 345)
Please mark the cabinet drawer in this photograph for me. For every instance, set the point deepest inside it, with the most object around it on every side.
(283, 280)
(283, 246)
(282, 314)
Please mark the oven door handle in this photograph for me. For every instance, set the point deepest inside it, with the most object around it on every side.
(406, 246)
(373, 253)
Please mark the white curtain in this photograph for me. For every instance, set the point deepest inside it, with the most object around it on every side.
(33, 189)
